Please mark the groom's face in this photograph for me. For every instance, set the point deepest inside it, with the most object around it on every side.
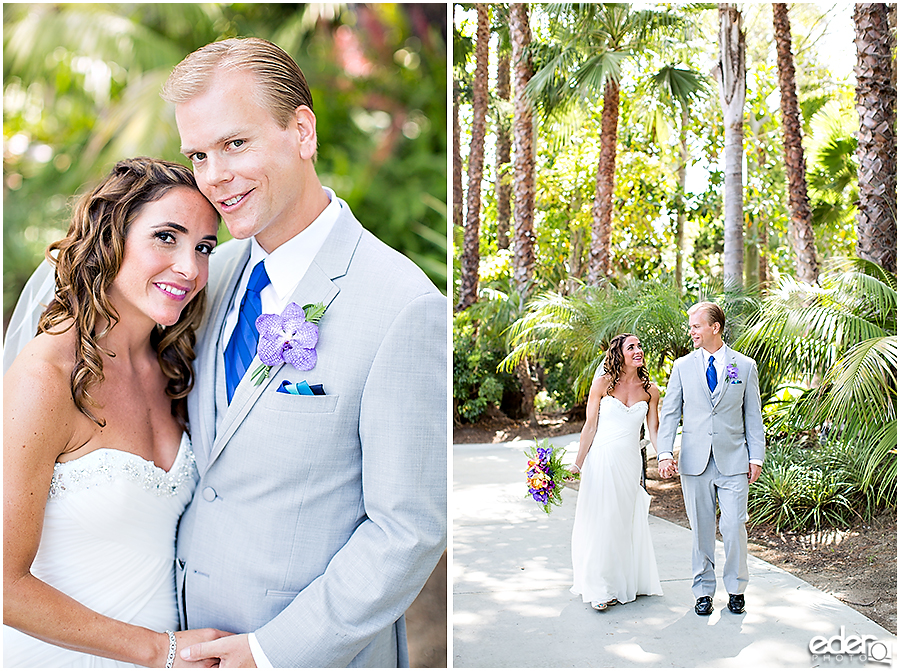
(246, 164)
(703, 334)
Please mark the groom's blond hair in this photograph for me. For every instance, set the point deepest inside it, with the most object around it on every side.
(281, 86)
(713, 313)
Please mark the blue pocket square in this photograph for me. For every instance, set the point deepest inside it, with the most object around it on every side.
(301, 388)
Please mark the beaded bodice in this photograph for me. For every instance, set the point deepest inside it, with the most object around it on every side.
(104, 465)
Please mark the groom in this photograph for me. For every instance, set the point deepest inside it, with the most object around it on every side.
(321, 508)
(714, 393)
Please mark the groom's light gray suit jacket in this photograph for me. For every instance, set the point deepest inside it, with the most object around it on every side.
(727, 422)
(318, 519)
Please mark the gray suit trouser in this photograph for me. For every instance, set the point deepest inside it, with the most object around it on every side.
(700, 495)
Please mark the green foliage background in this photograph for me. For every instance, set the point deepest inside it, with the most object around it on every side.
(81, 90)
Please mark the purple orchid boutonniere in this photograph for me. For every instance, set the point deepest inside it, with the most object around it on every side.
(732, 372)
(290, 337)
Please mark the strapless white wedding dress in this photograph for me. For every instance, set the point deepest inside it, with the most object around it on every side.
(612, 553)
(109, 542)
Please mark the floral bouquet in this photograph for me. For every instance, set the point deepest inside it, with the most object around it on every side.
(545, 474)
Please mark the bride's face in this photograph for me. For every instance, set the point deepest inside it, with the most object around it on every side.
(632, 352)
(166, 261)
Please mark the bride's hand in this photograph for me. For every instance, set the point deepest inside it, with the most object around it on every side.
(187, 638)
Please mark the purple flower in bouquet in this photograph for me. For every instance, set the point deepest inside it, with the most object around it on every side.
(544, 475)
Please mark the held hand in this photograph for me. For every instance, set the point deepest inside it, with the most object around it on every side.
(668, 468)
(574, 472)
(755, 471)
(185, 639)
(230, 652)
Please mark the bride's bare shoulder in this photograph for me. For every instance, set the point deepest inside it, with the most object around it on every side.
(44, 364)
(601, 383)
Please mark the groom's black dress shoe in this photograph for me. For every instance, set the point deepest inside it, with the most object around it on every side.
(704, 606)
(736, 603)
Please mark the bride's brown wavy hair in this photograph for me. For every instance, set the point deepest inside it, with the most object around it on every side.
(614, 362)
(87, 261)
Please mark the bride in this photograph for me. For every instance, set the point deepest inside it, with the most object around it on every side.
(612, 553)
(97, 464)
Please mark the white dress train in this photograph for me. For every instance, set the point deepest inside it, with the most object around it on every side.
(612, 552)
(108, 541)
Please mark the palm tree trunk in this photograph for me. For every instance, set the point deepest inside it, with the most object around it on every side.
(457, 161)
(731, 73)
(599, 265)
(681, 175)
(876, 103)
(523, 147)
(468, 291)
(801, 233)
(523, 178)
(504, 145)
(763, 254)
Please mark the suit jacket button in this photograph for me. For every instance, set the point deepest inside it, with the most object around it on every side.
(209, 494)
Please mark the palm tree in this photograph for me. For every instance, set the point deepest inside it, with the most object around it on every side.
(468, 292)
(462, 46)
(524, 180)
(523, 145)
(840, 338)
(801, 232)
(590, 42)
(731, 74)
(876, 103)
(503, 183)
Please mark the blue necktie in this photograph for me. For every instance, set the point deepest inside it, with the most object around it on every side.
(242, 347)
(711, 378)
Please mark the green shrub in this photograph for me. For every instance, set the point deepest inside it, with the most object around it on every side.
(870, 471)
(559, 381)
(476, 382)
(821, 487)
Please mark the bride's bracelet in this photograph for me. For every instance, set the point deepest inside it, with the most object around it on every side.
(170, 660)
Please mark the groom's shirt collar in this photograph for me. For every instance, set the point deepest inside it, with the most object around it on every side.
(719, 353)
(720, 358)
(288, 263)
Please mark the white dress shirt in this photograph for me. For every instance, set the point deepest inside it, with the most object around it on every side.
(285, 266)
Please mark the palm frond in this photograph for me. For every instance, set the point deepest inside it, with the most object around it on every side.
(859, 392)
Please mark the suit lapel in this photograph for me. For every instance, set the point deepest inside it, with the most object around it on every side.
(701, 365)
(317, 286)
(722, 390)
(209, 349)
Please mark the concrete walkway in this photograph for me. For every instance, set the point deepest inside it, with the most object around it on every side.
(512, 606)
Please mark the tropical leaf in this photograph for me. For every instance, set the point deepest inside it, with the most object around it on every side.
(839, 341)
